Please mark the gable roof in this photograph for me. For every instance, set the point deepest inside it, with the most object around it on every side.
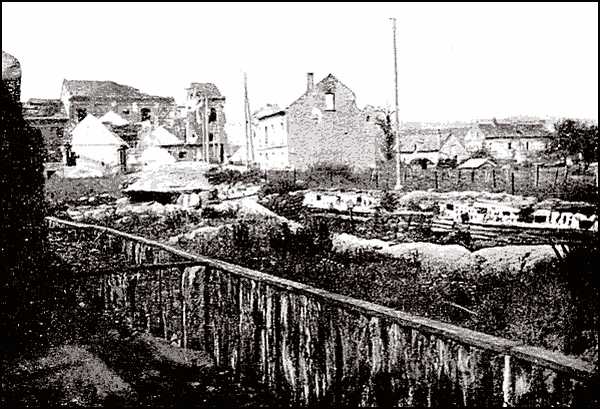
(207, 89)
(160, 137)
(90, 131)
(106, 89)
(496, 130)
(113, 118)
(328, 78)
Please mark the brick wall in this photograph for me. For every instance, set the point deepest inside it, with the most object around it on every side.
(319, 135)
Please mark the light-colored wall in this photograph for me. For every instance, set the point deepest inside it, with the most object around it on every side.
(271, 145)
(317, 135)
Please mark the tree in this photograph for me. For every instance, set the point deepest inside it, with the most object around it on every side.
(482, 152)
(22, 210)
(574, 137)
(389, 137)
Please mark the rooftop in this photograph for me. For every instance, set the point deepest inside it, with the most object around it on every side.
(206, 89)
(106, 89)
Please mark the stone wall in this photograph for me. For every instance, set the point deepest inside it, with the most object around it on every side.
(316, 134)
(315, 347)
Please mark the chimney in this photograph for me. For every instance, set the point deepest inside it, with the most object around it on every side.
(310, 82)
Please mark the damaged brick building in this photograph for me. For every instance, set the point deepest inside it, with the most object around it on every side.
(205, 135)
(99, 97)
(49, 116)
(324, 125)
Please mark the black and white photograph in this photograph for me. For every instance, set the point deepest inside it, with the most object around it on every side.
(299, 204)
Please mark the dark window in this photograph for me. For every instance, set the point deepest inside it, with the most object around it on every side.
(182, 154)
(359, 199)
(318, 197)
(81, 114)
(368, 117)
(527, 146)
(450, 206)
(145, 114)
(210, 137)
(213, 115)
(126, 111)
(509, 145)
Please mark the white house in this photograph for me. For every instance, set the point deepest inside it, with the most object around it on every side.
(432, 145)
(97, 148)
(508, 141)
(270, 138)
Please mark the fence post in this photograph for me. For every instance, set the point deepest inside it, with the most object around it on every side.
(556, 177)
(183, 310)
(472, 175)
(294, 176)
(458, 177)
(566, 174)
(512, 183)
(537, 175)
(436, 180)
(494, 178)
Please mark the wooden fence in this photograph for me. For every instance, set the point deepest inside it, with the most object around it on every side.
(567, 182)
(315, 347)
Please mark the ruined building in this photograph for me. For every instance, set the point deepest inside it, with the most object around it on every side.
(205, 135)
(11, 75)
(324, 125)
(49, 116)
(100, 97)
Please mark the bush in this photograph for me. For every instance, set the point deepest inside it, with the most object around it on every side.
(280, 187)
(23, 235)
(389, 201)
(217, 176)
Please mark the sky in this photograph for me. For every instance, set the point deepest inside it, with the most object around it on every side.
(456, 61)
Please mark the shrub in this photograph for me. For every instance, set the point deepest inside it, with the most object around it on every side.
(389, 201)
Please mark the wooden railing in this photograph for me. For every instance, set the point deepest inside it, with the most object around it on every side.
(314, 347)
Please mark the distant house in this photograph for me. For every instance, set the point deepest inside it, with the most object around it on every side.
(509, 141)
(323, 125)
(81, 97)
(98, 151)
(429, 146)
(49, 116)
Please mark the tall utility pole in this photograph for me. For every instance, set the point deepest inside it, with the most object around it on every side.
(248, 116)
(206, 148)
(398, 185)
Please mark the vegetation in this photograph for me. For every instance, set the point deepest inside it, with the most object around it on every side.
(482, 152)
(574, 137)
(389, 138)
(22, 227)
(218, 176)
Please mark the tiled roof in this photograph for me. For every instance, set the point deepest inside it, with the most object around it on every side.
(496, 130)
(44, 108)
(105, 89)
(428, 140)
(206, 89)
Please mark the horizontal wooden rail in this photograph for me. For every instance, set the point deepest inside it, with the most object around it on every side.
(557, 362)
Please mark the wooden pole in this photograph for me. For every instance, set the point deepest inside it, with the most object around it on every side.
(398, 185)
(182, 300)
(206, 150)
(566, 175)
(436, 180)
(512, 183)
(537, 175)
